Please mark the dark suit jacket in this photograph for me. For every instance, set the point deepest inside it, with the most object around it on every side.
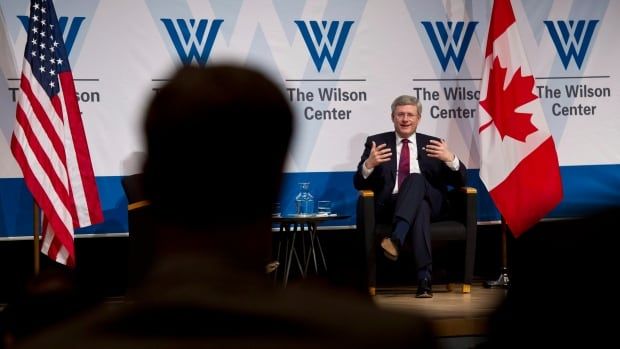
(383, 178)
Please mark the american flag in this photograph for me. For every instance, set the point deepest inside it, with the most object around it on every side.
(49, 142)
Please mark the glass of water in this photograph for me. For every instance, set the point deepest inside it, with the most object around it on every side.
(324, 207)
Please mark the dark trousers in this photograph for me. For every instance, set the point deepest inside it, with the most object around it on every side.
(412, 204)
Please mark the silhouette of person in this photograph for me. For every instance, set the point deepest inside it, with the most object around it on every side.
(559, 293)
(50, 297)
(211, 178)
(409, 172)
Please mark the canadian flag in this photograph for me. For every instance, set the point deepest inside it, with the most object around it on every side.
(518, 161)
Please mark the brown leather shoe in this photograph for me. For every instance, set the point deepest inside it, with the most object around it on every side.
(390, 249)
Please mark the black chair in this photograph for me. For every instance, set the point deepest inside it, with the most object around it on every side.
(139, 226)
(459, 224)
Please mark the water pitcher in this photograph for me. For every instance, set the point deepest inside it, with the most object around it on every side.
(304, 201)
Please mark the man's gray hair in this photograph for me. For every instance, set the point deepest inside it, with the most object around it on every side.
(407, 100)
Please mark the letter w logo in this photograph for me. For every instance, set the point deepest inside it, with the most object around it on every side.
(189, 38)
(325, 41)
(571, 39)
(450, 42)
(69, 36)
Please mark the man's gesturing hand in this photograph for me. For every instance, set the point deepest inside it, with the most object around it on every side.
(378, 155)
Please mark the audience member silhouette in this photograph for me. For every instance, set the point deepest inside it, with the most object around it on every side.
(561, 292)
(48, 298)
(211, 177)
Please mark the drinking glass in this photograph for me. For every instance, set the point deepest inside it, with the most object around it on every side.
(324, 207)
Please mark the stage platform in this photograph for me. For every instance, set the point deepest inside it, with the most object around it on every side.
(453, 314)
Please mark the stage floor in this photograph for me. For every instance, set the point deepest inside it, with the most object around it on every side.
(451, 312)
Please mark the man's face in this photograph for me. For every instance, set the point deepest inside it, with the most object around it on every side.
(405, 119)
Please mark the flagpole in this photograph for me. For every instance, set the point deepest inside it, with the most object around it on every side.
(503, 281)
(36, 233)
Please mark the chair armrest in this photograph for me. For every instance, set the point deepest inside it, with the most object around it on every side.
(134, 191)
(367, 193)
(365, 219)
(471, 206)
(471, 226)
(136, 205)
(462, 200)
(469, 190)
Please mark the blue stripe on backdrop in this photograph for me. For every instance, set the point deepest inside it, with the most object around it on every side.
(16, 208)
(587, 189)
(338, 188)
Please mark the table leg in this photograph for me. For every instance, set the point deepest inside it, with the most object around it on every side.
(290, 236)
(318, 243)
(314, 243)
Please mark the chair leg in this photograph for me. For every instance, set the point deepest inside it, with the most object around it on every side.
(455, 287)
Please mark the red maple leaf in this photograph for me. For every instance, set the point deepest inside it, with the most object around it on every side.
(502, 104)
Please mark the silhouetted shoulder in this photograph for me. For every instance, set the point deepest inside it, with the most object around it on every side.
(241, 311)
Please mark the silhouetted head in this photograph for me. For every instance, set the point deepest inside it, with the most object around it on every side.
(216, 142)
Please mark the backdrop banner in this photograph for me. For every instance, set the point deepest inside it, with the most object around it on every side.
(340, 63)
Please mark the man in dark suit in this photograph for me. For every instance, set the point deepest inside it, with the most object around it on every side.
(211, 179)
(409, 173)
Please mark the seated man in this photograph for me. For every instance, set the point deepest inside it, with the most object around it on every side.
(409, 187)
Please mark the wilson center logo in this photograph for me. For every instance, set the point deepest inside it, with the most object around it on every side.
(450, 40)
(571, 39)
(193, 39)
(325, 40)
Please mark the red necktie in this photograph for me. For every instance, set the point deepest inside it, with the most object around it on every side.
(403, 165)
